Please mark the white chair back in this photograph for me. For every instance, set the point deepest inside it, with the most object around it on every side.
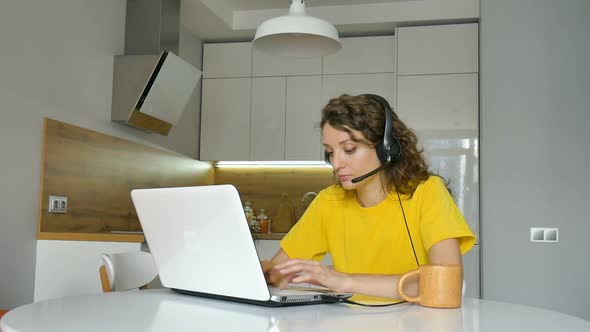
(129, 270)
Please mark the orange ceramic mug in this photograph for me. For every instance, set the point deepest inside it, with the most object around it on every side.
(440, 286)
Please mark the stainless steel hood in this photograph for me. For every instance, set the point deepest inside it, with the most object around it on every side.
(151, 85)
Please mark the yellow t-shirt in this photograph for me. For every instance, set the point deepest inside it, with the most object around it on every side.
(374, 240)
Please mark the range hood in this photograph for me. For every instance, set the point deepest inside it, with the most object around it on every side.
(151, 85)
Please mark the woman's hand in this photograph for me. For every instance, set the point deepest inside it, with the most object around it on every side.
(272, 276)
(309, 271)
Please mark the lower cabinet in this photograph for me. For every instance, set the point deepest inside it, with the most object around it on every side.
(268, 248)
(68, 268)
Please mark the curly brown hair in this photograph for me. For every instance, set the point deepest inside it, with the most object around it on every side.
(364, 114)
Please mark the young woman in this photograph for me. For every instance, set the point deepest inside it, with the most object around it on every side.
(387, 215)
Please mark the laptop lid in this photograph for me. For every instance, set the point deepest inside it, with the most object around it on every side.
(201, 244)
(200, 241)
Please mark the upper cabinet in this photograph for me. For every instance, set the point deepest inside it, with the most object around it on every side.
(227, 60)
(439, 49)
(450, 102)
(273, 111)
(303, 112)
(225, 119)
(382, 84)
(268, 65)
(362, 55)
(267, 121)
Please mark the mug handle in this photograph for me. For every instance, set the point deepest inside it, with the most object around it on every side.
(400, 286)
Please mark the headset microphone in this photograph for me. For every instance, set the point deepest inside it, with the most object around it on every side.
(362, 177)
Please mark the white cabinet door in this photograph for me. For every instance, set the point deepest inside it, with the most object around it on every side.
(471, 272)
(267, 248)
(70, 268)
(439, 102)
(362, 55)
(225, 119)
(437, 49)
(303, 135)
(379, 84)
(268, 65)
(267, 123)
(227, 60)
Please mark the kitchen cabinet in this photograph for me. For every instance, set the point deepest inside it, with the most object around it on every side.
(261, 118)
(70, 268)
(270, 65)
(279, 119)
(268, 118)
(227, 60)
(382, 84)
(288, 110)
(438, 49)
(361, 55)
(439, 102)
(268, 248)
(225, 119)
(303, 139)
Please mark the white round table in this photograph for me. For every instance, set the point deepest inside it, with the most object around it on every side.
(164, 310)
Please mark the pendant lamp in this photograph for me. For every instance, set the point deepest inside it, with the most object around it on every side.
(297, 34)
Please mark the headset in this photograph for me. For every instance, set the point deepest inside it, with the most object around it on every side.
(388, 150)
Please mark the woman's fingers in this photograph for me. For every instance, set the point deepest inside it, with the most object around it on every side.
(304, 271)
(297, 265)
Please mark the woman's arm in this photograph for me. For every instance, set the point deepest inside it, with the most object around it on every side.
(271, 275)
(300, 271)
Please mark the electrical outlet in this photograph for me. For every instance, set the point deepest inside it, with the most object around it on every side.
(544, 234)
(58, 204)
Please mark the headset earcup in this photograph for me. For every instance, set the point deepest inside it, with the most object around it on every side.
(382, 153)
(394, 150)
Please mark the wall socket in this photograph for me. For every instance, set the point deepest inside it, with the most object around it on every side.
(544, 234)
(58, 204)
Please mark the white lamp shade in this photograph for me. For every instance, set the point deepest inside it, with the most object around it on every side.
(297, 35)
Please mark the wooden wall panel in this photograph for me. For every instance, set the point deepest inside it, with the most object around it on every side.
(96, 172)
(263, 186)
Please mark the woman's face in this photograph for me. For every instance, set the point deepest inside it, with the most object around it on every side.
(350, 158)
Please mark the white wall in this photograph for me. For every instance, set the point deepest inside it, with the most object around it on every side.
(57, 61)
(535, 155)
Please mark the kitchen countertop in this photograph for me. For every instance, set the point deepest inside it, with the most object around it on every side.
(126, 236)
(103, 237)
(268, 236)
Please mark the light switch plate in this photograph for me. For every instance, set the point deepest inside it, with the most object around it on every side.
(544, 234)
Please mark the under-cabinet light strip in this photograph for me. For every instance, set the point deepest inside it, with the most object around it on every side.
(272, 164)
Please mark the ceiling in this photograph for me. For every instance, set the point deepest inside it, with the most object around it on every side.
(237, 20)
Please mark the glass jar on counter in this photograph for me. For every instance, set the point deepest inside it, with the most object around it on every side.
(263, 221)
(254, 225)
(248, 211)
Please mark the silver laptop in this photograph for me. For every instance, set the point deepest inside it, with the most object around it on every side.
(201, 244)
